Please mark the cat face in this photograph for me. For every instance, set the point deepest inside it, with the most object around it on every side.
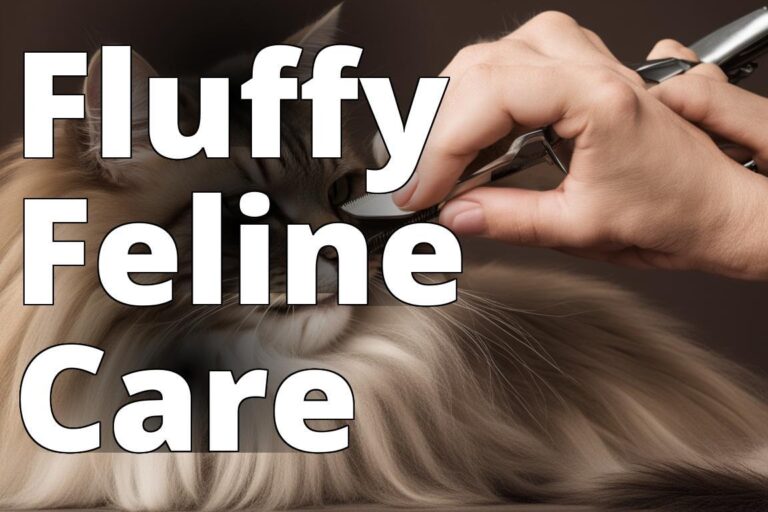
(303, 190)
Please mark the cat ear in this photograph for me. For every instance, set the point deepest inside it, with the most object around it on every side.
(141, 71)
(314, 38)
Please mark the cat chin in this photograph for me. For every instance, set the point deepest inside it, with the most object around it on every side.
(303, 330)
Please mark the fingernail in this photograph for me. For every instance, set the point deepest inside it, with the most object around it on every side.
(464, 217)
(404, 195)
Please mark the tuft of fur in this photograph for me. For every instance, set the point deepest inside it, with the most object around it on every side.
(687, 488)
(536, 386)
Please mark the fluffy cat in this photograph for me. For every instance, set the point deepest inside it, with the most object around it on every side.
(534, 386)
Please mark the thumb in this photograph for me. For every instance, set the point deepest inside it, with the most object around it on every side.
(524, 217)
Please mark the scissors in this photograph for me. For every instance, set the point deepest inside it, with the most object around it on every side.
(733, 47)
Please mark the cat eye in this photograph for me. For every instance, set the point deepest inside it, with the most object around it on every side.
(341, 190)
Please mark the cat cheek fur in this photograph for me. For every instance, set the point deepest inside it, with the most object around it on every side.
(306, 331)
(535, 385)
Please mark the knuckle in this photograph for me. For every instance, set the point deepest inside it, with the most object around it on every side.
(553, 19)
(713, 71)
(477, 80)
(669, 93)
(692, 82)
(615, 96)
(477, 77)
(513, 46)
(471, 54)
(691, 96)
(670, 90)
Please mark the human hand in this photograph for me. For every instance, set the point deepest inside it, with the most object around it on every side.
(645, 186)
(704, 97)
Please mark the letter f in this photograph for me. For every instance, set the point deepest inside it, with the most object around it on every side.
(266, 90)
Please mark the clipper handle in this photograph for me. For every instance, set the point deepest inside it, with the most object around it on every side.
(734, 48)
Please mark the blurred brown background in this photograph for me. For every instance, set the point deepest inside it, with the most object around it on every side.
(404, 39)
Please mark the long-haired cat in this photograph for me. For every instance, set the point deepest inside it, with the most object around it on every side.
(534, 386)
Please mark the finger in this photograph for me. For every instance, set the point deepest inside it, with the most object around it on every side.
(505, 51)
(711, 71)
(669, 48)
(601, 47)
(480, 108)
(517, 216)
(720, 108)
(558, 35)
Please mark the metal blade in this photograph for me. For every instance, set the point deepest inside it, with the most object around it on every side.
(375, 207)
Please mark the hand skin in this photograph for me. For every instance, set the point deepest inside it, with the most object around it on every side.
(647, 186)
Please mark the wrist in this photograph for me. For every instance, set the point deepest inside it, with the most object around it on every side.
(736, 239)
